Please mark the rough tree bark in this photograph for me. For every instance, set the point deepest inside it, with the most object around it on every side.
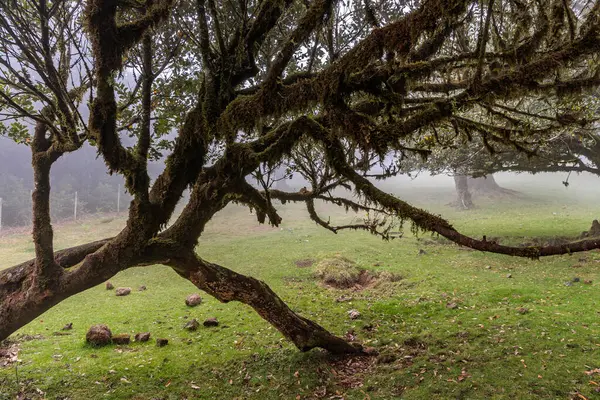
(466, 186)
(487, 185)
(483, 184)
(464, 199)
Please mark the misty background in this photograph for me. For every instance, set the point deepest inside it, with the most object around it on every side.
(84, 173)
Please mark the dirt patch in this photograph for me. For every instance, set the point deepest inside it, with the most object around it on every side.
(305, 263)
(341, 273)
(9, 353)
(350, 372)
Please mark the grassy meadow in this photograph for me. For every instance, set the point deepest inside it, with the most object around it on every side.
(459, 324)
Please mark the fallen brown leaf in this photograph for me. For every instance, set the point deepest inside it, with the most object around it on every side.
(592, 371)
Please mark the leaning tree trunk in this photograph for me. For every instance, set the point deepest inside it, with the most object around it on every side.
(226, 285)
(22, 299)
(464, 200)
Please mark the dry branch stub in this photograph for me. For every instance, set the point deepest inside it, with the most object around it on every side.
(593, 232)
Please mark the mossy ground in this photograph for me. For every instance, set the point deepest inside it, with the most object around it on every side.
(483, 348)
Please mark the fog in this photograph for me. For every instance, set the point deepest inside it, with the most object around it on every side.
(84, 173)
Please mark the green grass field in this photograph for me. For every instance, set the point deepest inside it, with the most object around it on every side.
(484, 348)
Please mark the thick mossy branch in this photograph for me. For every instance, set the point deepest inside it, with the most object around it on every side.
(398, 37)
(245, 193)
(110, 42)
(307, 24)
(306, 93)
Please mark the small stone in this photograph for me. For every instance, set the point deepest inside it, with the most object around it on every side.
(452, 306)
(142, 337)
(68, 327)
(522, 310)
(354, 314)
(193, 300)
(109, 286)
(162, 342)
(142, 288)
(569, 283)
(192, 325)
(576, 279)
(123, 291)
(122, 338)
(587, 281)
(509, 276)
(98, 335)
(211, 322)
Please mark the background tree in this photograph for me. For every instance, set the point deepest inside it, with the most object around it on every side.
(328, 88)
(472, 164)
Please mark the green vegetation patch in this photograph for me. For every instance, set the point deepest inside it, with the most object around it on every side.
(455, 326)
